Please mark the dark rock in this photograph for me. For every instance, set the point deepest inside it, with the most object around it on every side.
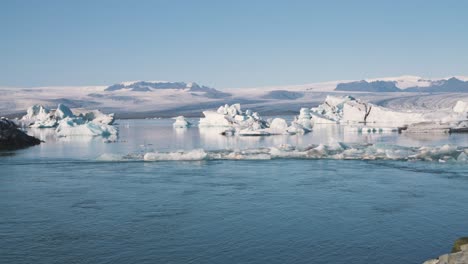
(364, 86)
(11, 137)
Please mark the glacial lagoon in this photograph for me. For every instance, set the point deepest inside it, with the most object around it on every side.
(84, 199)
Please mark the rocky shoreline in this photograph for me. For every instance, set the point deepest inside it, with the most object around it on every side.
(11, 137)
(459, 254)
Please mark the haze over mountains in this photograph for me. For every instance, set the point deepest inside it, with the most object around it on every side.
(166, 99)
(407, 84)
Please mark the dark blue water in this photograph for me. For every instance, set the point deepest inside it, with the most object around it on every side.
(60, 206)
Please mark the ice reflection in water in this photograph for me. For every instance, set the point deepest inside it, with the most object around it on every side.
(136, 136)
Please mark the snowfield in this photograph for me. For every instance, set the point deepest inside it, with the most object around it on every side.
(142, 99)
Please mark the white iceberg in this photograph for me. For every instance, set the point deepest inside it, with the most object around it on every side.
(38, 116)
(88, 123)
(278, 126)
(232, 117)
(305, 119)
(181, 122)
(297, 128)
(62, 112)
(331, 110)
(98, 117)
(79, 127)
(249, 123)
(347, 109)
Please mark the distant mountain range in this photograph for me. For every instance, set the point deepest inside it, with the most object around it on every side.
(149, 86)
(408, 84)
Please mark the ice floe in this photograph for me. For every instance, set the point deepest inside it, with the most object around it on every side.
(337, 151)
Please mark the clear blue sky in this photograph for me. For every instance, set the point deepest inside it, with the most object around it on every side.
(229, 43)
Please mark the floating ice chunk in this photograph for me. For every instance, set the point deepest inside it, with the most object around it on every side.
(253, 132)
(63, 112)
(296, 128)
(192, 155)
(214, 119)
(36, 112)
(44, 123)
(339, 151)
(378, 114)
(319, 119)
(332, 108)
(305, 119)
(427, 127)
(278, 126)
(235, 121)
(350, 110)
(79, 127)
(180, 122)
(38, 116)
(98, 117)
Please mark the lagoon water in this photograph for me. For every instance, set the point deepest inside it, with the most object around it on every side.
(61, 203)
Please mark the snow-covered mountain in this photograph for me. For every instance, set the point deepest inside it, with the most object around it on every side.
(452, 85)
(151, 86)
(365, 86)
(157, 98)
(407, 84)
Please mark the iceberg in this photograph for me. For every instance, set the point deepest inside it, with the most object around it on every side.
(181, 122)
(305, 119)
(278, 126)
(63, 112)
(38, 116)
(80, 127)
(331, 110)
(347, 109)
(232, 117)
(98, 117)
(88, 123)
(250, 123)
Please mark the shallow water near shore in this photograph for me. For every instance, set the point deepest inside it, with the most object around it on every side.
(59, 204)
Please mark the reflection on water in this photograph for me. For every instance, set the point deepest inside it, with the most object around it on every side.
(137, 136)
